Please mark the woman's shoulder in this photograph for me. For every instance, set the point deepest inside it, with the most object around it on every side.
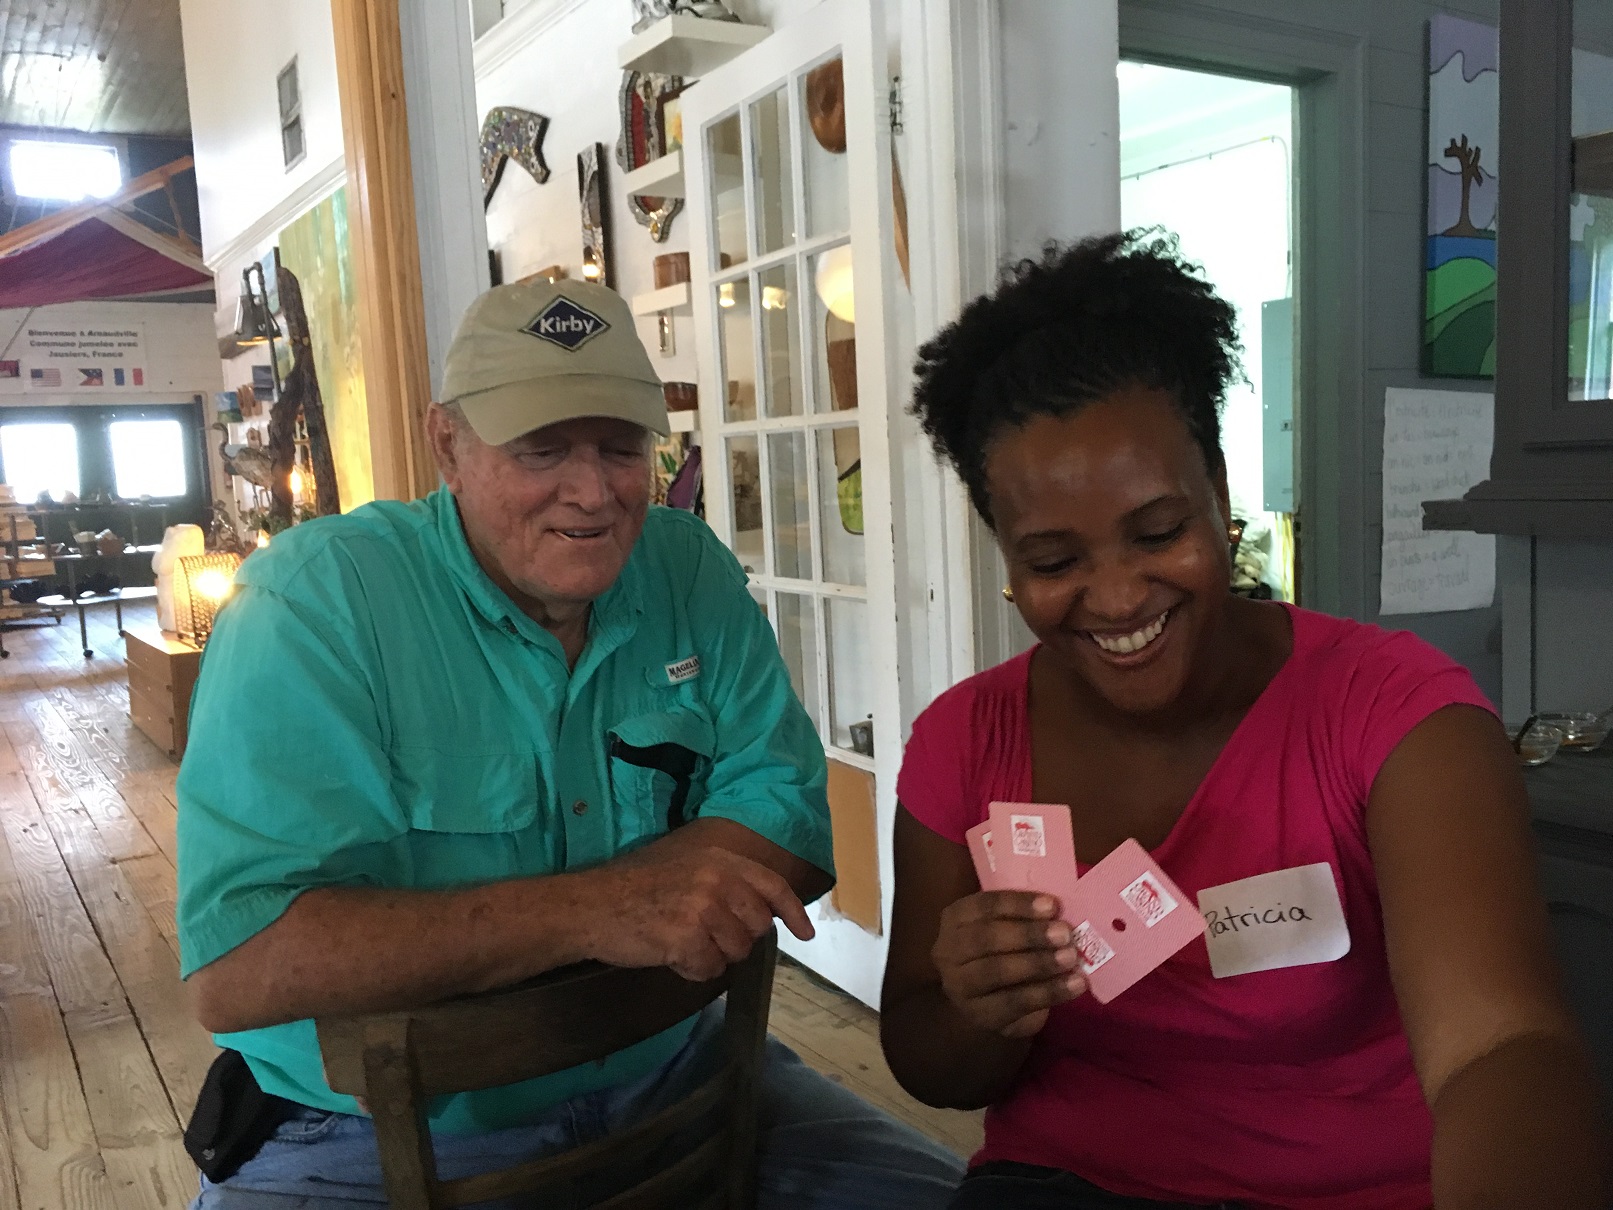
(967, 748)
(1347, 650)
(1365, 688)
(984, 697)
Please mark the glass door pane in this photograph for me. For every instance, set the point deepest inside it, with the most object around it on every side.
(781, 341)
(832, 330)
(840, 506)
(732, 242)
(1590, 217)
(738, 349)
(774, 181)
(788, 480)
(824, 172)
(745, 478)
(851, 671)
(798, 640)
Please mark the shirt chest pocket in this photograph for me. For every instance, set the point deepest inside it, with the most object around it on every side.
(466, 794)
(659, 763)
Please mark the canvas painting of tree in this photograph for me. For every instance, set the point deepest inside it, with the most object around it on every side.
(1463, 126)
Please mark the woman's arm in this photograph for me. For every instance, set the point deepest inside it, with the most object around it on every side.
(1500, 1059)
(971, 975)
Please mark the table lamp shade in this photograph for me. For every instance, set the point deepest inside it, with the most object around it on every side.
(202, 586)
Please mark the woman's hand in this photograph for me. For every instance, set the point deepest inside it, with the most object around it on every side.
(1005, 961)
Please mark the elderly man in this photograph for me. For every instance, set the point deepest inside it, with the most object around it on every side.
(445, 746)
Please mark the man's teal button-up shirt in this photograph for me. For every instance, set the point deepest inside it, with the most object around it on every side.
(374, 711)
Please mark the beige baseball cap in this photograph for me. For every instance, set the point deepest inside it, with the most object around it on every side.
(526, 356)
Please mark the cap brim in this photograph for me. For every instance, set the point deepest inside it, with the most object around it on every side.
(509, 411)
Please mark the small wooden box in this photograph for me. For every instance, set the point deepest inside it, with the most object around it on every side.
(162, 673)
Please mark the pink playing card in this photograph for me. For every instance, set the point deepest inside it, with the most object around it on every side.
(1034, 849)
(1129, 918)
(980, 848)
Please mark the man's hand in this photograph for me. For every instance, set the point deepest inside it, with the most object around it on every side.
(696, 910)
(1005, 962)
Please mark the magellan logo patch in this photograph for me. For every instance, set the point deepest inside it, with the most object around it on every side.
(566, 324)
(683, 670)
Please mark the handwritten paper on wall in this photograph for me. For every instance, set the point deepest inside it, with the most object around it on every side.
(1436, 445)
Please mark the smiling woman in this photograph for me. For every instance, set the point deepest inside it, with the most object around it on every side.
(1374, 997)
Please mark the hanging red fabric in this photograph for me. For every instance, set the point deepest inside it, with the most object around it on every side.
(107, 255)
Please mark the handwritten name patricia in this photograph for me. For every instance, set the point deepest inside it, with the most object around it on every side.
(1225, 920)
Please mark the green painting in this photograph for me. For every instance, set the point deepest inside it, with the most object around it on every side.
(1463, 120)
(318, 249)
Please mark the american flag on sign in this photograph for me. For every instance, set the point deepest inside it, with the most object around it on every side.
(48, 377)
(93, 377)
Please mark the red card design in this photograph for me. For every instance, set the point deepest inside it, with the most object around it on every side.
(1034, 849)
(1129, 918)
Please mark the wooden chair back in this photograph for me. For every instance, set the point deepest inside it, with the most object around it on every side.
(396, 1062)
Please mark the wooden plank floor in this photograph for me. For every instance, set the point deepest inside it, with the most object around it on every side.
(100, 1058)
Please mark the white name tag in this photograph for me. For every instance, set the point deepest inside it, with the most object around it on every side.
(683, 670)
(1285, 918)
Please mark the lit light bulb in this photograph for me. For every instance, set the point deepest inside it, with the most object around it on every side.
(296, 482)
(214, 584)
(774, 298)
(834, 283)
(725, 294)
(590, 270)
(263, 539)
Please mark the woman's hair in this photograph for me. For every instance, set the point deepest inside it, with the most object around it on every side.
(1115, 311)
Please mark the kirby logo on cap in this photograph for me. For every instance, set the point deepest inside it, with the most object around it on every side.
(566, 324)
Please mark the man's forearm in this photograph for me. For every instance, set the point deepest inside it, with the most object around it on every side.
(1520, 1127)
(341, 950)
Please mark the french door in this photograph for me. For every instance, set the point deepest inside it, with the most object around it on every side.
(790, 201)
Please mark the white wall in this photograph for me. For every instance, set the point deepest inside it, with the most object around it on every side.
(233, 52)
(181, 355)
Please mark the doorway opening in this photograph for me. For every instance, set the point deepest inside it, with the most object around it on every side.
(1209, 158)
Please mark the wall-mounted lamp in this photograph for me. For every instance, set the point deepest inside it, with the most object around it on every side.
(253, 323)
(725, 295)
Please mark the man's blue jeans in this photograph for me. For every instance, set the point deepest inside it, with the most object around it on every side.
(822, 1147)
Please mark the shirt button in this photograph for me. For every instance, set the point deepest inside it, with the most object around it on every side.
(579, 807)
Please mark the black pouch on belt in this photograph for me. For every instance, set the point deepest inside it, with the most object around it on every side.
(233, 1119)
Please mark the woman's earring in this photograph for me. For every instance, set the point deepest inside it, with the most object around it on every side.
(1008, 593)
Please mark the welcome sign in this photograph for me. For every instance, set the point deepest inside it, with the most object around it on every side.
(65, 357)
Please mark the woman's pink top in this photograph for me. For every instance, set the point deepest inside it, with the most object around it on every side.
(1290, 1087)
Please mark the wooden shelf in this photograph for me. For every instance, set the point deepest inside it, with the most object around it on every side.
(681, 45)
(684, 422)
(1564, 520)
(656, 301)
(658, 178)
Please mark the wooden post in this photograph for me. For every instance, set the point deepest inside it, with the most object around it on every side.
(386, 244)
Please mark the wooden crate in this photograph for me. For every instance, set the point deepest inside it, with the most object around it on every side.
(162, 673)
